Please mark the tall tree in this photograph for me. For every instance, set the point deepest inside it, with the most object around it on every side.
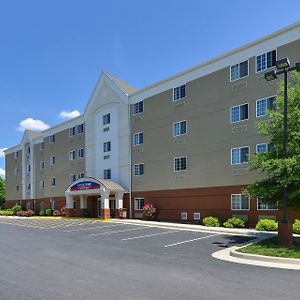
(2, 192)
(280, 172)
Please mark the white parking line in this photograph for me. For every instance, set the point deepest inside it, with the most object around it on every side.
(90, 228)
(189, 241)
(150, 235)
(117, 231)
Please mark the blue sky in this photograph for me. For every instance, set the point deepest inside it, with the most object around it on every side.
(52, 52)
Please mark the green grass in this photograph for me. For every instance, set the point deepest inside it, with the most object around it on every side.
(269, 247)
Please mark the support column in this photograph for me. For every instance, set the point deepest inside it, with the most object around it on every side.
(105, 213)
(69, 206)
(119, 205)
(82, 212)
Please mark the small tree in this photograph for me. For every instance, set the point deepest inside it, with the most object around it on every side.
(280, 172)
(2, 192)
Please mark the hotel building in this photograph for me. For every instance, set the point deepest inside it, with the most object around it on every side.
(182, 144)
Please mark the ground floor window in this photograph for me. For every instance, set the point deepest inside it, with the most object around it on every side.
(240, 202)
(41, 204)
(28, 205)
(265, 206)
(52, 203)
(139, 203)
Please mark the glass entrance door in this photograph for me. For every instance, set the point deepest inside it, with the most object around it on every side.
(112, 208)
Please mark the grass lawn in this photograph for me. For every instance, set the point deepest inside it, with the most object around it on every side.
(269, 247)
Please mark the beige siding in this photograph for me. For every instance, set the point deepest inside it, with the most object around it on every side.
(210, 134)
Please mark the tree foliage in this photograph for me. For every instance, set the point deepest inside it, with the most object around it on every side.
(2, 192)
(280, 172)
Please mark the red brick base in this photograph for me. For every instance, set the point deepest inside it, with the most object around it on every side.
(105, 213)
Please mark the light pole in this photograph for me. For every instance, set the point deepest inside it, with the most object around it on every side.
(285, 234)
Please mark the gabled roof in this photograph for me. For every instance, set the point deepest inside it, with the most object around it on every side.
(121, 84)
(33, 134)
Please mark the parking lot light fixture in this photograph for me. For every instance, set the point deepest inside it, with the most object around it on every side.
(282, 63)
(271, 75)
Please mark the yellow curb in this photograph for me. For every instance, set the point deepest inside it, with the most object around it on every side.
(66, 218)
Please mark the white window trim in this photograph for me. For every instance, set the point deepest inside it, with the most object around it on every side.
(264, 70)
(231, 122)
(134, 169)
(181, 134)
(106, 124)
(51, 182)
(71, 129)
(42, 148)
(138, 113)
(261, 144)
(77, 126)
(50, 137)
(239, 64)
(79, 152)
(135, 145)
(174, 164)
(51, 160)
(242, 209)
(274, 96)
(107, 143)
(138, 199)
(240, 162)
(261, 209)
(42, 162)
(175, 100)
(105, 171)
(73, 156)
(42, 184)
(72, 178)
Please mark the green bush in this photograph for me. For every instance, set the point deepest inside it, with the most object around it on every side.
(211, 222)
(234, 223)
(296, 226)
(42, 212)
(266, 225)
(48, 212)
(16, 208)
(7, 212)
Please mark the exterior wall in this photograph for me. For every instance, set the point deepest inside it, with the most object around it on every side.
(12, 180)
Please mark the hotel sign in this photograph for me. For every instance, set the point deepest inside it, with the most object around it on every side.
(85, 185)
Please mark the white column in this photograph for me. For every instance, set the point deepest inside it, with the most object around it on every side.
(119, 200)
(104, 199)
(69, 201)
(83, 201)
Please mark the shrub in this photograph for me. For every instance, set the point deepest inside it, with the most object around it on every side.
(25, 213)
(150, 212)
(266, 225)
(42, 212)
(7, 212)
(56, 213)
(296, 226)
(62, 211)
(48, 212)
(211, 222)
(16, 208)
(234, 223)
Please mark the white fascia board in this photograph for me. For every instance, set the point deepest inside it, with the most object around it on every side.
(12, 149)
(268, 43)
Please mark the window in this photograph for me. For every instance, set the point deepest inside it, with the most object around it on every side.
(239, 113)
(265, 60)
(106, 119)
(107, 174)
(138, 138)
(80, 153)
(80, 175)
(240, 202)
(41, 204)
(138, 169)
(72, 178)
(42, 165)
(80, 128)
(17, 187)
(179, 128)
(72, 155)
(28, 150)
(265, 104)
(72, 131)
(28, 168)
(16, 154)
(180, 163)
(138, 107)
(28, 205)
(261, 148)
(52, 204)
(52, 160)
(106, 146)
(179, 92)
(42, 184)
(52, 181)
(240, 155)
(42, 146)
(16, 171)
(29, 186)
(265, 206)
(239, 70)
(184, 216)
(52, 139)
(139, 203)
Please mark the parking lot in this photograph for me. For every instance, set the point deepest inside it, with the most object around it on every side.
(90, 259)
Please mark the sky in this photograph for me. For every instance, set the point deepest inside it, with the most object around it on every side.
(52, 52)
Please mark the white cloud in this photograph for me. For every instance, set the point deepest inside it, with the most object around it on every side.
(69, 114)
(32, 124)
(2, 152)
(2, 172)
